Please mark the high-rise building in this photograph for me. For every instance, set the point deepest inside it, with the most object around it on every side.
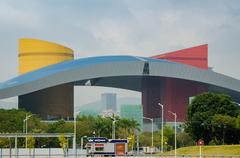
(109, 101)
(133, 112)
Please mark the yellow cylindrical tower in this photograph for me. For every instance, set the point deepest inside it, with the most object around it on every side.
(51, 103)
(35, 54)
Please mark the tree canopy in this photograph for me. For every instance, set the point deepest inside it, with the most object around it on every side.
(210, 114)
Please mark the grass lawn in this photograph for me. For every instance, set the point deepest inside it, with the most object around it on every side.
(208, 150)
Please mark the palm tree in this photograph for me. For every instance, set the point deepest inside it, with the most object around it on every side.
(134, 126)
(127, 127)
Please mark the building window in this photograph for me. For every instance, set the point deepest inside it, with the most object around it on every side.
(99, 148)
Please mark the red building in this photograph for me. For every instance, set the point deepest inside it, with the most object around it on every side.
(174, 93)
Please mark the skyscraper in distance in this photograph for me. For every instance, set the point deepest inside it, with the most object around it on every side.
(109, 101)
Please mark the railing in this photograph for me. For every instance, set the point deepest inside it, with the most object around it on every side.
(39, 153)
(58, 153)
(202, 156)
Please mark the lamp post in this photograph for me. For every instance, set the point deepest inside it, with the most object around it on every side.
(175, 122)
(162, 128)
(152, 126)
(25, 120)
(75, 134)
(113, 126)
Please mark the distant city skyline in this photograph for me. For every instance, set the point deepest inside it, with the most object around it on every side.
(95, 107)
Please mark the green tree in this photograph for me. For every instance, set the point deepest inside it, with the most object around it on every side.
(63, 144)
(184, 139)
(4, 143)
(134, 126)
(224, 129)
(60, 126)
(157, 139)
(169, 133)
(11, 120)
(85, 127)
(131, 142)
(126, 127)
(103, 127)
(238, 122)
(145, 139)
(122, 127)
(30, 143)
(201, 111)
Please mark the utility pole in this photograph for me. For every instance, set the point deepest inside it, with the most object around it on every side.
(175, 122)
(161, 105)
(113, 127)
(25, 120)
(75, 135)
(152, 128)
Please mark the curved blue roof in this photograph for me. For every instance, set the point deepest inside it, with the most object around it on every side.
(117, 67)
(73, 64)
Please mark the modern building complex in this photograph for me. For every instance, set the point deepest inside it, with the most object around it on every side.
(109, 101)
(47, 76)
(133, 112)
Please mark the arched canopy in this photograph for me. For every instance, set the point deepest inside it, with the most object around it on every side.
(114, 71)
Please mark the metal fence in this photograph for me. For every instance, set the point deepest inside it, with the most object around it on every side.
(58, 153)
(202, 156)
(39, 153)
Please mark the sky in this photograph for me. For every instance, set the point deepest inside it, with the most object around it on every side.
(133, 27)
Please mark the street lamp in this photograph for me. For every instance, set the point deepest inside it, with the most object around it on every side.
(113, 130)
(175, 122)
(25, 121)
(152, 126)
(113, 127)
(75, 132)
(162, 128)
(94, 134)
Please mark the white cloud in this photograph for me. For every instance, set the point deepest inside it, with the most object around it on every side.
(15, 16)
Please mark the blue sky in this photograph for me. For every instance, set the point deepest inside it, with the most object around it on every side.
(136, 27)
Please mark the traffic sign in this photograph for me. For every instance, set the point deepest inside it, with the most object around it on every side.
(200, 142)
